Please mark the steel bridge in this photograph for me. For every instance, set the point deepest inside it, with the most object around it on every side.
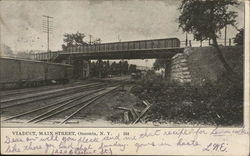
(142, 49)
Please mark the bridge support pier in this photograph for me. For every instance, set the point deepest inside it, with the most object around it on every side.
(81, 69)
(99, 68)
(86, 67)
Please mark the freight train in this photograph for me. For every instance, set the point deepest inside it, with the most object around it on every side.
(17, 73)
(128, 46)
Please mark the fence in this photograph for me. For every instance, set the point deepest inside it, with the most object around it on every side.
(193, 43)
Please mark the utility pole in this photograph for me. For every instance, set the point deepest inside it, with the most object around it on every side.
(90, 36)
(47, 28)
(119, 39)
(186, 39)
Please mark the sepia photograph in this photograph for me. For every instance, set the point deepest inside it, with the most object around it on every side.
(110, 63)
(73, 68)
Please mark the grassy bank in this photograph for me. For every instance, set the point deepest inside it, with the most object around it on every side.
(220, 104)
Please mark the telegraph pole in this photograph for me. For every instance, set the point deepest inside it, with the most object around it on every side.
(90, 36)
(186, 39)
(47, 28)
(119, 39)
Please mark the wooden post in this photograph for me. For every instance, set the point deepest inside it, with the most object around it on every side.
(126, 118)
(99, 68)
(168, 69)
(186, 39)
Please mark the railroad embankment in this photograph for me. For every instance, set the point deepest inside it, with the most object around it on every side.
(199, 91)
(185, 104)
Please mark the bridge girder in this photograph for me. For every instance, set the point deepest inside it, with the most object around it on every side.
(146, 54)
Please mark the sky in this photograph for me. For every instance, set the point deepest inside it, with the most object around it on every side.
(110, 20)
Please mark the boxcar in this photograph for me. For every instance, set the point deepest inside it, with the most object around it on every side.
(58, 72)
(17, 73)
(31, 71)
(9, 71)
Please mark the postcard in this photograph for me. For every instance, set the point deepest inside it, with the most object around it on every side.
(124, 77)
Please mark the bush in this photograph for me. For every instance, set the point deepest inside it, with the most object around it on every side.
(211, 104)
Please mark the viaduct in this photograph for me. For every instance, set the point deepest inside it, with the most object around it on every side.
(79, 56)
(194, 65)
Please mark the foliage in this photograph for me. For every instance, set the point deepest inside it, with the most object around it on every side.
(165, 64)
(104, 68)
(239, 38)
(132, 68)
(186, 104)
(159, 63)
(206, 18)
(23, 54)
(77, 39)
(74, 39)
(96, 41)
(6, 50)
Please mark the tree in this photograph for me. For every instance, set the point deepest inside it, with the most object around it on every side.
(162, 63)
(159, 63)
(239, 38)
(132, 68)
(97, 41)
(23, 54)
(205, 19)
(125, 67)
(76, 39)
(73, 40)
(6, 50)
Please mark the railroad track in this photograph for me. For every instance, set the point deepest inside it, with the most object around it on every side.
(9, 93)
(17, 101)
(89, 102)
(74, 104)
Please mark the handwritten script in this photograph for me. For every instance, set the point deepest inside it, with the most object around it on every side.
(122, 141)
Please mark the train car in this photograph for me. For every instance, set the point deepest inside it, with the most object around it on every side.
(58, 72)
(9, 72)
(17, 73)
(31, 71)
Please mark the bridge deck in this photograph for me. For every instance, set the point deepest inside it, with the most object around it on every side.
(129, 54)
(142, 49)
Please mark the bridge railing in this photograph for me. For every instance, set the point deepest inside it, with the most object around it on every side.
(128, 46)
(193, 43)
(46, 55)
